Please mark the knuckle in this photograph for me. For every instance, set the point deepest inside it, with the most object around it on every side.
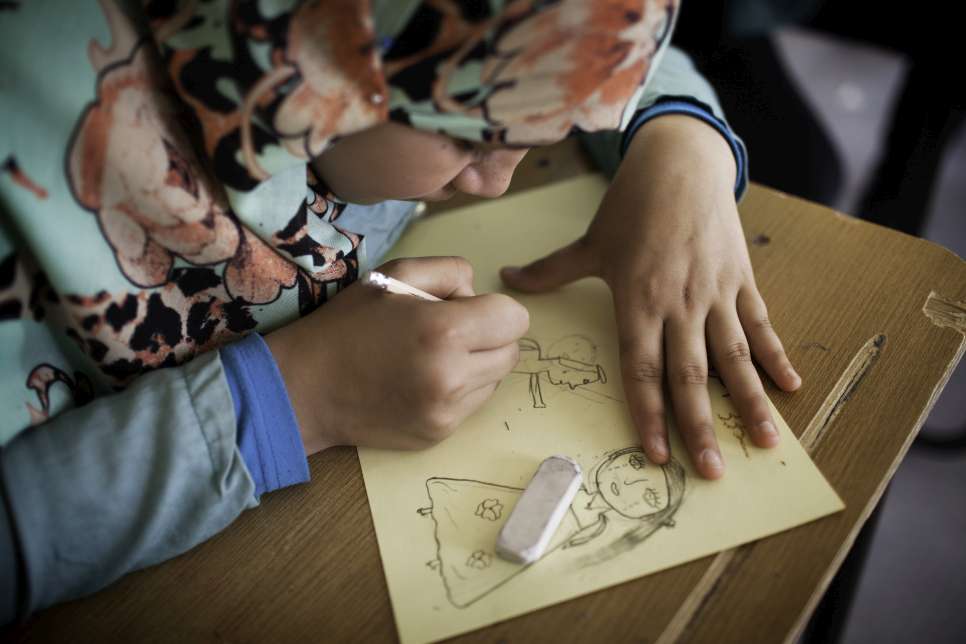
(449, 335)
(727, 281)
(761, 322)
(646, 291)
(643, 369)
(437, 332)
(738, 352)
(690, 295)
(463, 268)
(443, 384)
(696, 290)
(692, 373)
(431, 434)
(439, 425)
(515, 314)
(652, 291)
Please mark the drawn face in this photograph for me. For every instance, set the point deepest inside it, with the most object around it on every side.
(631, 485)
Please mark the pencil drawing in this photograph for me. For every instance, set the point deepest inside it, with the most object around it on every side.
(480, 560)
(569, 363)
(489, 509)
(623, 501)
(733, 422)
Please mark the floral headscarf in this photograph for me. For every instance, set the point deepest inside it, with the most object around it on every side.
(529, 73)
(520, 72)
(169, 144)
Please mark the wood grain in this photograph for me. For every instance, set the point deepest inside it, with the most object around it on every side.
(304, 565)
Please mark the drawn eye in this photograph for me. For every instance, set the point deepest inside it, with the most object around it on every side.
(637, 462)
(652, 498)
(613, 488)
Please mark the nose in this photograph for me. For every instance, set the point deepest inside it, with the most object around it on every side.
(490, 176)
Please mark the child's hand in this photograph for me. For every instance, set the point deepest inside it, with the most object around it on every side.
(383, 370)
(668, 241)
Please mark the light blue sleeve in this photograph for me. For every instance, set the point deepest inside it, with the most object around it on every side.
(124, 482)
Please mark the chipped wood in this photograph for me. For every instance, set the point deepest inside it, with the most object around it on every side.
(844, 389)
(945, 312)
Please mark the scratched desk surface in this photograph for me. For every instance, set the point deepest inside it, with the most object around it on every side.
(873, 319)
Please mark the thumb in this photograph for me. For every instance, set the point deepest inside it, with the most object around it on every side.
(560, 267)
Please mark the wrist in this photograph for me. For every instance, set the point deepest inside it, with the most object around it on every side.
(682, 144)
(304, 404)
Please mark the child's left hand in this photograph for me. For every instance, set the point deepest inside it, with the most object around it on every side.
(668, 241)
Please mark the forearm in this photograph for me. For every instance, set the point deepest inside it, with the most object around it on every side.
(124, 482)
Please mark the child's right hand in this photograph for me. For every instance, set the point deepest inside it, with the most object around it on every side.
(377, 369)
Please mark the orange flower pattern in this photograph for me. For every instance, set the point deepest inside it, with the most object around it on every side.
(189, 117)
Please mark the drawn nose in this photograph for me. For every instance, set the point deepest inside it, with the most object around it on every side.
(601, 376)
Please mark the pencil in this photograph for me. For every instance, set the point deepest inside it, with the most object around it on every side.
(392, 285)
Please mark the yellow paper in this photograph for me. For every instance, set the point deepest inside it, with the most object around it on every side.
(437, 512)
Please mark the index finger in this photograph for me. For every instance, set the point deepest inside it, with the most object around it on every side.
(443, 277)
(488, 321)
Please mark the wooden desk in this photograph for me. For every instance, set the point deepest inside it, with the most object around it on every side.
(873, 319)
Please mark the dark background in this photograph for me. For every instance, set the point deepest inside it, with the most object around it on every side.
(861, 106)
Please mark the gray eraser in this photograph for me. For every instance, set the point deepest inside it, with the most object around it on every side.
(538, 513)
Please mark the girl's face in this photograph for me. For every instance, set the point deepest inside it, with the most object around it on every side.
(393, 161)
(632, 485)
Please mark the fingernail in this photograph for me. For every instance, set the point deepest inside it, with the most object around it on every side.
(711, 460)
(658, 447)
(791, 373)
(767, 429)
(511, 270)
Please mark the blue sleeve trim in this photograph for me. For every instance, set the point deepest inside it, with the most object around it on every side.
(678, 106)
(268, 434)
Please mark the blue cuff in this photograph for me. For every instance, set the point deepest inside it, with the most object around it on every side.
(681, 106)
(268, 434)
